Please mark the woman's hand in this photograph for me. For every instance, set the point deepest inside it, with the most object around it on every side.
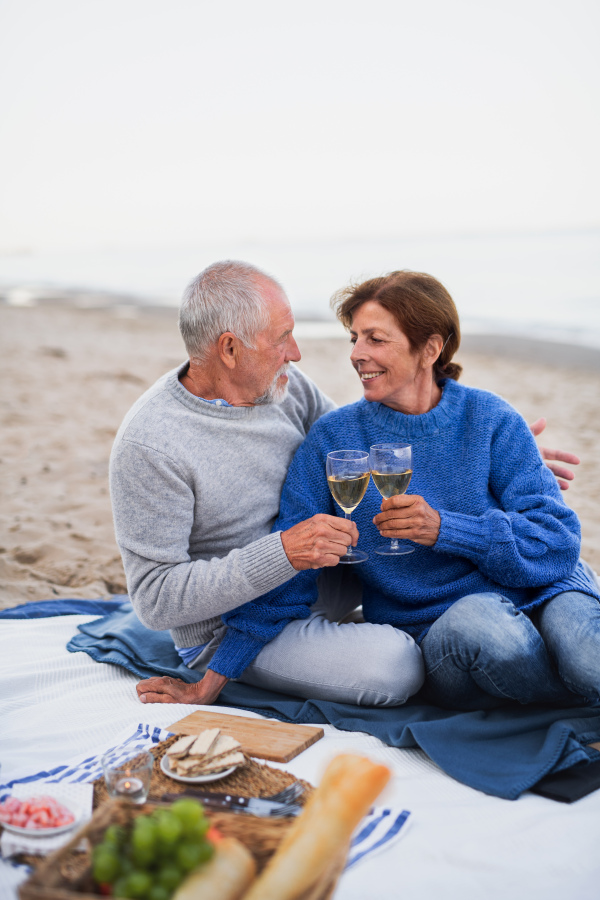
(552, 457)
(410, 517)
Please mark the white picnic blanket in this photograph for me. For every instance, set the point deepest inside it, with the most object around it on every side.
(56, 706)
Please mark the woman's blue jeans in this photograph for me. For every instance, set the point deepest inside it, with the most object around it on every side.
(483, 652)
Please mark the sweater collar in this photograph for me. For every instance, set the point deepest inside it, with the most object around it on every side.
(412, 427)
(198, 404)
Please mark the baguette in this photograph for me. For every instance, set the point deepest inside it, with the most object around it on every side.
(225, 877)
(348, 788)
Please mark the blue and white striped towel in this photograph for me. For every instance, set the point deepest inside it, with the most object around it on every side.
(89, 768)
(376, 832)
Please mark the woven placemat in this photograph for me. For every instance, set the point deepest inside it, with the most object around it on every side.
(253, 779)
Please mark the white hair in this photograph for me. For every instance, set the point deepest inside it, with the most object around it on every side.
(226, 296)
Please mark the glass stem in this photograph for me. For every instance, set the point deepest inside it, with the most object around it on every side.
(394, 543)
(349, 517)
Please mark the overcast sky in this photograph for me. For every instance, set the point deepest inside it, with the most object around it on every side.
(126, 122)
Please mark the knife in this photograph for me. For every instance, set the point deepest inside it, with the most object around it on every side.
(255, 806)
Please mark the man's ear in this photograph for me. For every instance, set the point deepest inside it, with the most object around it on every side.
(228, 349)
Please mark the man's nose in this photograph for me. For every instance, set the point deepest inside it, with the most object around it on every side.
(292, 351)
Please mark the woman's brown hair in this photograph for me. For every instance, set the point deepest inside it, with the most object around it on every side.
(420, 305)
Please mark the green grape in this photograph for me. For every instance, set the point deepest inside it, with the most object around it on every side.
(198, 830)
(143, 857)
(158, 892)
(138, 884)
(114, 836)
(143, 842)
(190, 855)
(106, 865)
(119, 888)
(169, 830)
(188, 811)
(127, 866)
(169, 876)
(144, 825)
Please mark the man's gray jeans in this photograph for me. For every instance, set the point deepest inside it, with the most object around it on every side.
(317, 658)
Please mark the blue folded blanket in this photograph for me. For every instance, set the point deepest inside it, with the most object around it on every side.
(502, 752)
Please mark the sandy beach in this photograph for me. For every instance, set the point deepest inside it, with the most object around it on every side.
(69, 375)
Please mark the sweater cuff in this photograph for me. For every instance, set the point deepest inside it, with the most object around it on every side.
(235, 652)
(265, 563)
(463, 535)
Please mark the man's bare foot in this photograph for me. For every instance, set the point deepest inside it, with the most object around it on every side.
(174, 690)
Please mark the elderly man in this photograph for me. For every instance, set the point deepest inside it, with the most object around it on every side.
(196, 475)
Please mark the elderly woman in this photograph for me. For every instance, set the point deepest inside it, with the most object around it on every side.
(494, 592)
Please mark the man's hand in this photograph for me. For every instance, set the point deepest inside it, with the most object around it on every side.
(553, 457)
(174, 690)
(318, 541)
(409, 516)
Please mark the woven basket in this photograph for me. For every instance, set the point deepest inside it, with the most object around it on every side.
(253, 779)
(66, 875)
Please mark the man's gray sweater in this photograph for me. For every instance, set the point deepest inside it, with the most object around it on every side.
(195, 490)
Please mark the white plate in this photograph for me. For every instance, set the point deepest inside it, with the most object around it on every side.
(198, 779)
(42, 832)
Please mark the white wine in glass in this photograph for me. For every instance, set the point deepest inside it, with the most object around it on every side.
(391, 470)
(348, 476)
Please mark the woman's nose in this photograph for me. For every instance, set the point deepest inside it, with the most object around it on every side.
(357, 352)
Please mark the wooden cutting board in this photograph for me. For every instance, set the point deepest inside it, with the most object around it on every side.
(263, 738)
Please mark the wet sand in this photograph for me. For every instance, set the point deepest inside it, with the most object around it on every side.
(69, 375)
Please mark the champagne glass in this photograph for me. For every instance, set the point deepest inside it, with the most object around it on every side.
(391, 470)
(348, 475)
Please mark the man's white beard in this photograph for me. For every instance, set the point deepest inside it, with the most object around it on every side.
(275, 393)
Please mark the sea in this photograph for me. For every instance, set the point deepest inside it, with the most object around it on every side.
(543, 286)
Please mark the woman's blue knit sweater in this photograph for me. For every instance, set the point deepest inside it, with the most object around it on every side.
(504, 526)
